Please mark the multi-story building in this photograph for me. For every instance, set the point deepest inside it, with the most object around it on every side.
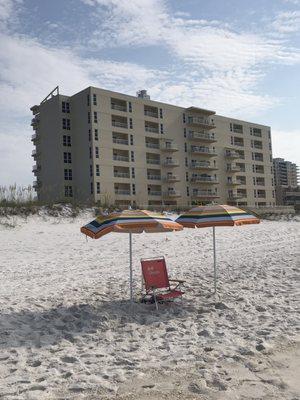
(103, 146)
(286, 182)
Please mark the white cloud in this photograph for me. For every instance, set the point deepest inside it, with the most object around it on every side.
(286, 144)
(287, 22)
(8, 11)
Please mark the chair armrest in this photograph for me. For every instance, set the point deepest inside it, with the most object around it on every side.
(177, 280)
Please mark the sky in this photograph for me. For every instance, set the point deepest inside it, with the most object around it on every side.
(240, 58)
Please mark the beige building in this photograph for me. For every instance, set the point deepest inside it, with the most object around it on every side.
(103, 146)
(286, 182)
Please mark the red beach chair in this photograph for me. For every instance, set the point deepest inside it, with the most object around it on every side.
(157, 282)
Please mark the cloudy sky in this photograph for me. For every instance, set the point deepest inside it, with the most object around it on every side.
(238, 57)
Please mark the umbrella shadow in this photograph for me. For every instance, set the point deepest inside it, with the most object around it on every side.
(46, 328)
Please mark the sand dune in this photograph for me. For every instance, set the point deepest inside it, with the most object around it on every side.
(66, 330)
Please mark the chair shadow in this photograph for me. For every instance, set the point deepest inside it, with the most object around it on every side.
(45, 328)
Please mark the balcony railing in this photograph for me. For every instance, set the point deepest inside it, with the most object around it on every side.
(154, 193)
(202, 150)
(172, 178)
(118, 107)
(121, 175)
(120, 141)
(200, 121)
(205, 194)
(120, 124)
(169, 147)
(151, 129)
(120, 158)
(153, 161)
(33, 153)
(206, 137)
(202, 165)
(236, 196)
(232, 154)
(233, 168)
(233, 182)
(34, 137)
(172, 193)
(151, 113)
(122, 192)
(204, 179)
(154, 177)
(171, 163)
(152, 145)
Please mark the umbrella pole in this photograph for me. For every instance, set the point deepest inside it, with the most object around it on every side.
(130, 267)
(215, 259)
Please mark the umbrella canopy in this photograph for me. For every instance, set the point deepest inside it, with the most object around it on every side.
(216, 215)
(130, 221)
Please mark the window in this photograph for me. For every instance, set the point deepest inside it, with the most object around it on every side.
(185, 147)
(160, 113)
(187, 176)
(90, 152)
(129, 106)
(95, 117)
(98, 187)
(97, 170)
(132, 156)
(184, 132)
(187, 191)
(67, 140)
(66, 124)
(94, 99)
(92, 188)
(89, 117)
(90, 135)
(161, 128)
(91, 170)
(131, 140)
(65, 107)
(68, 174)
(96, 134)
(88, 99)
(68, 191)
(186, 162)
(133, 188)
(67, 158)
(183, 118)
(130, 123)
(236, 128)
(97, 152)
(132, 173)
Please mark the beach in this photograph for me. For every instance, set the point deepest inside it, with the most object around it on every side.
(67, 330)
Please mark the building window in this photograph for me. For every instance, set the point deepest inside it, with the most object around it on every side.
(129, 106)
(132, 173)
(96, 134)
(230, 126)
(187, 191)
(254, 181)
(89, 117)
(90, 135)
(131, 140)
(68, 191)
(97, 152)
(187, 176)
(186, 162)
(68, 174)
(161, 128)
(94, 99)
(160, 113)
(67, 158)
(98, 187)
(88, 99)
(183, 118)
(133, 188)
(91, 152)
(66, 124)
(184, 132)
(132, 156)
(130, 123)
(97, 170)
(67, 140)
(65, 107)
(92, 188)
(95, 117)
(185, 147)
(91, 170)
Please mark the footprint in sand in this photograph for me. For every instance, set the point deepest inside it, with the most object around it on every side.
(69, 360)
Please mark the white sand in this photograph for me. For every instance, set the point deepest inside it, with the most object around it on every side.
(66, 331)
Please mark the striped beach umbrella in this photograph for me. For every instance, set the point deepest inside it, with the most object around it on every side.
(130, 221)
(212, 216)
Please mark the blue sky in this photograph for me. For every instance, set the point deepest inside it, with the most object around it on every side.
(237, 57)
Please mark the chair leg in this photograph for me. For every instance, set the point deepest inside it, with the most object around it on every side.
(156, 304)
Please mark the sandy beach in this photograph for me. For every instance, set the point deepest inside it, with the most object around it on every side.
(67, 332)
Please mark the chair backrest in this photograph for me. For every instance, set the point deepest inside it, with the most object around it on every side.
(155, 273)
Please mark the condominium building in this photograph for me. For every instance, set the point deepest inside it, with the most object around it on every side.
(107, 147)
(286, 182)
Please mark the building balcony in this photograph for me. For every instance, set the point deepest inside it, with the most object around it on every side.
(121, 158)
(170, 147)
(153, 161)
(233, 182)
(203, 165)
(172, 194)
(154, 193)
(122, 192)
(171, 163)
(35, 109)
(202, 136)
(233, 168)
(118, 174)
(204, 179)
(171, 178)
(152, 145)
(205, 194)
(120, 141)
(119, 124)
(200, 121)
(205, 151)
(151, 129)
(153, 177)
(118, 107)
(34, 137)
(150, 113)
(232, 154)
(35, 121)
(236, 196)
(36, 184)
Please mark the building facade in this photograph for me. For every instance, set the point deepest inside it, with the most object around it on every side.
(107, 147)
(286, 182)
